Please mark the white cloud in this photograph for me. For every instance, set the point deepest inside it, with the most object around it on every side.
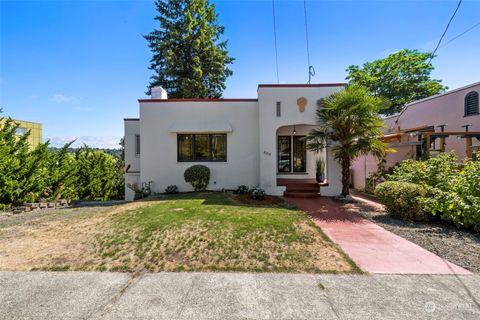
(61, 98)
(105, 142)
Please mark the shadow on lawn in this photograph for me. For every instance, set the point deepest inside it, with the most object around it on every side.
(225, 199)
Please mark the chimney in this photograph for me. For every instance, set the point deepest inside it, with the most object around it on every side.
(158, 93)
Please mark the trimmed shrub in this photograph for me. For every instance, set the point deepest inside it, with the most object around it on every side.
(243, 189)
(172, 189)
(198, 176)
(258, 193)
(402, 199)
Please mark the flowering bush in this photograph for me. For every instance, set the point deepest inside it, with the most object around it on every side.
(171, 189)
(258, 193)
(243, 189)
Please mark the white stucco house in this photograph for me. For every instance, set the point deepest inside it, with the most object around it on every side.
(253, 142)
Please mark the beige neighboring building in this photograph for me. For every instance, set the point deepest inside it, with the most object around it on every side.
(35, 128)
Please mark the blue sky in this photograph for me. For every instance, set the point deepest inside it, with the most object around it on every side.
(80, 66)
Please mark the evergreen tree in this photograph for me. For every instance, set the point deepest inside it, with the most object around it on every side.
(189, 58)
(62, 174)
(22, 170)
(98, 174)
(29, 175)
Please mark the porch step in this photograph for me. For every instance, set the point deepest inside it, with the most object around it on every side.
(300, 188)
(303, 188)
(293, 194)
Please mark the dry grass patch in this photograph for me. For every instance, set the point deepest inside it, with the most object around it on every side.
(59, 241)
(212, 232)
(188, 232)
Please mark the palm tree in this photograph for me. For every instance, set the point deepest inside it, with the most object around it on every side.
(350, 125)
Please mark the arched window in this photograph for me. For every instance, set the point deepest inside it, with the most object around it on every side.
(471, 103)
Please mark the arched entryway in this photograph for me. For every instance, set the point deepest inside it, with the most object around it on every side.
(296, 167)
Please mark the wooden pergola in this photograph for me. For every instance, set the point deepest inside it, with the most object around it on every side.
(428, 134)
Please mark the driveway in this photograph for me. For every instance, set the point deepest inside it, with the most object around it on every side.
(78, 295)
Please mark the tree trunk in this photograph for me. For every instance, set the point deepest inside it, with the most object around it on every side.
(345, 176)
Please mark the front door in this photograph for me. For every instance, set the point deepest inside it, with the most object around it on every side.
(291, 154)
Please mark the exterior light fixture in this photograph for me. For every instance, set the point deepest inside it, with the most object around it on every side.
(294, 131)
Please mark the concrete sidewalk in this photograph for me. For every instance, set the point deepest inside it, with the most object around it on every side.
(78, 295)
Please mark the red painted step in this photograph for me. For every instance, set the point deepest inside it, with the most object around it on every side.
(303, 189)
(291, 194)
(300, 188)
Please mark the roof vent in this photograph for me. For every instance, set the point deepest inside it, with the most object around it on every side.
(158, 93)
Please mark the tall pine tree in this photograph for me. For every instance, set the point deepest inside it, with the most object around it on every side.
(189, 58)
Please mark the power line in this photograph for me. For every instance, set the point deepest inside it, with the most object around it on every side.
(311, 70)
(446, 29)
(275, 37)
(461, 34)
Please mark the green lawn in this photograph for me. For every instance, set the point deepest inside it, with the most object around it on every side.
(213, 232)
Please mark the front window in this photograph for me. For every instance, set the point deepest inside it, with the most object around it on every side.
(202, 147)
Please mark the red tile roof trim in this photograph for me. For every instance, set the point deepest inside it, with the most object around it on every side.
(198, 100)
(302, 85)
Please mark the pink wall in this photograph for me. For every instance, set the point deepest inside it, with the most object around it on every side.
(446, 109)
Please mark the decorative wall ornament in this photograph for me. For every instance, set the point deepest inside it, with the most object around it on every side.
(302, 103)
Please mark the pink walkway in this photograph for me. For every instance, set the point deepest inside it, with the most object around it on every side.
(374, 249)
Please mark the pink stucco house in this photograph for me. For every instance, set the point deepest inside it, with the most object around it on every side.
(417, 130)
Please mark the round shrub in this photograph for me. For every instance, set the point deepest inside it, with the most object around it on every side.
(171, 189)
(258, 194)
(198, 176)
(243, 189)
(402, 199)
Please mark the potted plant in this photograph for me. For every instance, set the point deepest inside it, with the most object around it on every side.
(320, 174)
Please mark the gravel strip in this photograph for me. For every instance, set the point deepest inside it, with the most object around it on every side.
(458, 246)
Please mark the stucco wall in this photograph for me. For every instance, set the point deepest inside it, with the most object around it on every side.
(290, 115)
(132, 128)
(159, 146)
